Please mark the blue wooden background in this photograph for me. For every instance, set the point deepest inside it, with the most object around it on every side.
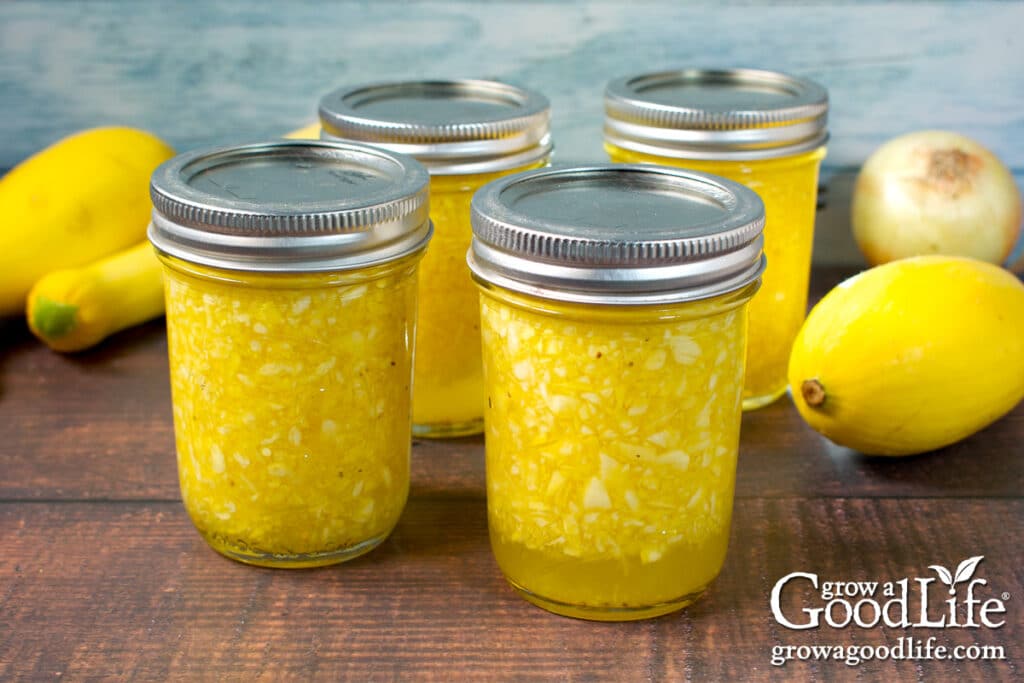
(197, 73)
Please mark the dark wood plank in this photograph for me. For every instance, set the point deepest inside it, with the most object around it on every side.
(97, 425)
(780, 455)
(90, 425)
(129, 591)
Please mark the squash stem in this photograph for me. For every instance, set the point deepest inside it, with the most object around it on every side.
(813, 392)
(54, 319)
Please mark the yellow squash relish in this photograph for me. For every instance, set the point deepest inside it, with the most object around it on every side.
(448, 391)
(467, 133)
(788, 186)
(612, 436)
(277, 380)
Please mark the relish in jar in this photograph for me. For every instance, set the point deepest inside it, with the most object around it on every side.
(467, 133)
(763, 129)
(613, 309)
(290, 280)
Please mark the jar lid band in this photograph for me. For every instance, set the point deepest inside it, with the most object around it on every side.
(716, 113)
(618, 234)
(451, 126)
(290, 206)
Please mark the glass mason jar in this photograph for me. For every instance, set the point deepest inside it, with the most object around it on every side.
(763, 129)
(467, 133)
(613, 311)
(290, 282)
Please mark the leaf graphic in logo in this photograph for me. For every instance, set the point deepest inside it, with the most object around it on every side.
(966, 569)
(944, 575)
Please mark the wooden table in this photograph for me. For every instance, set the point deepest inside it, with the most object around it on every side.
(103, 577)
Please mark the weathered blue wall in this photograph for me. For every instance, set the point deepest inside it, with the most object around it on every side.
(209, 72)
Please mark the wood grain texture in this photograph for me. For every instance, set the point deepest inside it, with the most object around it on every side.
(102, 576)
(129, 591)
(97, 426)
(91, 425)
(201, 73)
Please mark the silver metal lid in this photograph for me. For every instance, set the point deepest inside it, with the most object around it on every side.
(290, 206)
(711, 114)
(617, 234)
(452, 127)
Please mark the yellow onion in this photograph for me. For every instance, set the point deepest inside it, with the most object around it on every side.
(935, 192)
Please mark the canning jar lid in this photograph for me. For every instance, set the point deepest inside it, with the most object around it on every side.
(290, 206)
(451, 126)
(617, 234)
(716, 113)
